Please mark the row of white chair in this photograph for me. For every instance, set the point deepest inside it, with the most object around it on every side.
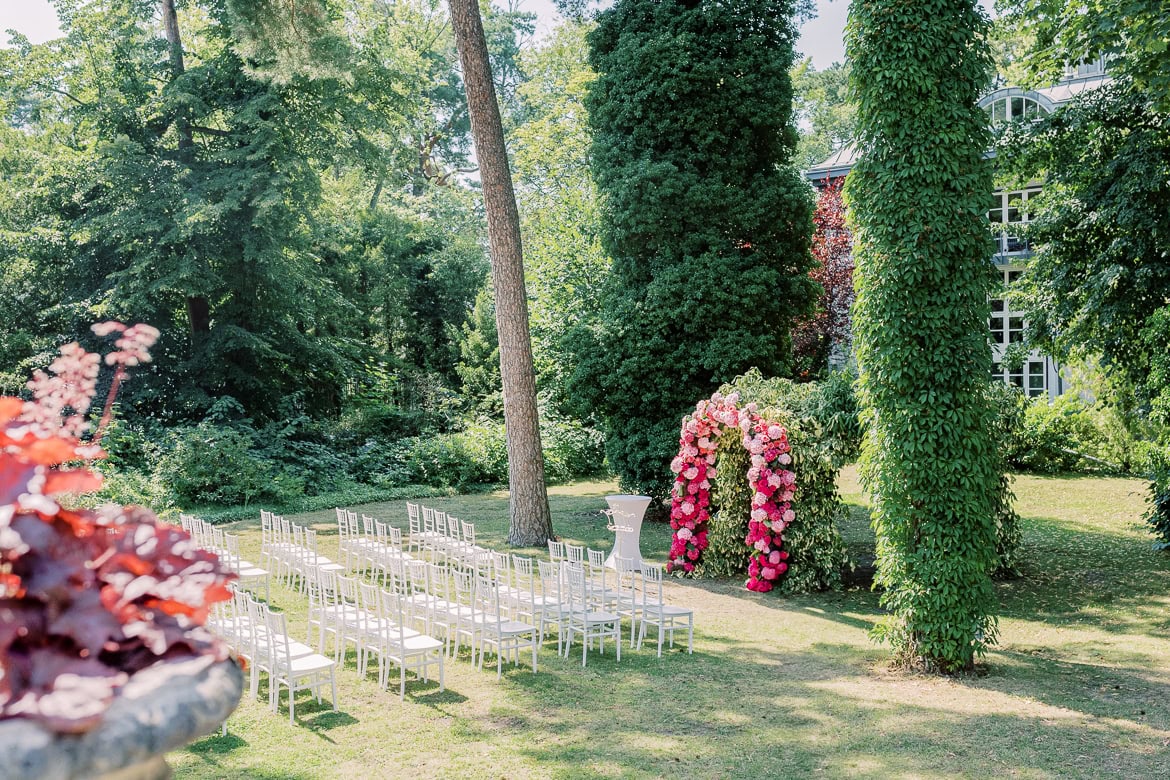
(227, 547)
(292, 551)
(436, 534)
(378, 622)
(261, 637)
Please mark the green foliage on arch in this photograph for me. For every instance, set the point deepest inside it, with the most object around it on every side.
(823, 434)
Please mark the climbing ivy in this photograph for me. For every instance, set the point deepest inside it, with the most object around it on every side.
(916, 200)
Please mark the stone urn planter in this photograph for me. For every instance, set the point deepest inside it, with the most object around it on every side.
(161, 708)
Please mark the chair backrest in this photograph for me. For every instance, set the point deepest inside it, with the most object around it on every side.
(368, 527)
(440, 523)
(437, 581)
(464, 582)
(393, 609)
(556, 551)
(626, 582)
(522, 579)
(342, 525)
(347, 590)
(468, 531)
(598, 572)
(309, 542)
(453, 530)
(231, 551)
(575, 553)
(398, 575)
(651, 577)
(487, 598)
(395, 536)
(351, 520)
(550, 579)
(380, 531)
(501, 569)
(369, 601)
(576, 587)
(276, 635)
(419, 576)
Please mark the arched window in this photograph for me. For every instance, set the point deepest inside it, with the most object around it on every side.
(1011, 108)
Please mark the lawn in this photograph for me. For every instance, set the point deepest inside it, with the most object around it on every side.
(1079, 685)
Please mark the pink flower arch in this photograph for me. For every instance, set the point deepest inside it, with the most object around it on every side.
(773, 486)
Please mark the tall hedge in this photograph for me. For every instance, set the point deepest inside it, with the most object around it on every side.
(705, 219)
(917, 201)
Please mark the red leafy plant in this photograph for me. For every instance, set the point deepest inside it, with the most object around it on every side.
(87, 597)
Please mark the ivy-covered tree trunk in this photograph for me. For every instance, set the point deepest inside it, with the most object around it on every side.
(705, 218)
(917, 203)
(530, 523)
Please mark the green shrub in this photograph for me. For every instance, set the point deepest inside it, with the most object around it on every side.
(1053, 436)
(478, 455)
(816, 550)
(571, 450)
(211, 464)
(1159, 513)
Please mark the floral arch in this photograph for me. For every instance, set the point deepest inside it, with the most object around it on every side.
(712, 423)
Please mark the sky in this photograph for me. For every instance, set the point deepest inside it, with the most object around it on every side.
(821, 38)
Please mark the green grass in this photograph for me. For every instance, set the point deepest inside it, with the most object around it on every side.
(1079, 685)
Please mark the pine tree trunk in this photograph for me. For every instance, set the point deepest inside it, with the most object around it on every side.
(529, 520)
(198, 307)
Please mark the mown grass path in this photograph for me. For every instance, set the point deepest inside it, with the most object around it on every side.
(1079, 685)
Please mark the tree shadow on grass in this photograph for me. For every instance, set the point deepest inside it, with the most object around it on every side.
(746, 712)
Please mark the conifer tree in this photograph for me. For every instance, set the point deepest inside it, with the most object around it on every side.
(705, 219)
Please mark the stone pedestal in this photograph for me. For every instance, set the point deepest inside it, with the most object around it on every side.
(160, 709)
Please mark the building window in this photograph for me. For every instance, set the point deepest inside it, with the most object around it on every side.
(1008, 214)
(1014, 108)
(1007, 328)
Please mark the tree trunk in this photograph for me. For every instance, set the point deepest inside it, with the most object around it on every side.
(529, 520)
(198, 308)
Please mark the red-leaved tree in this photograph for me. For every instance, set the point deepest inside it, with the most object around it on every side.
(814, 338)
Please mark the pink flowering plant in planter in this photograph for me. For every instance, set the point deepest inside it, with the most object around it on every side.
(87, 597)
(773, 487)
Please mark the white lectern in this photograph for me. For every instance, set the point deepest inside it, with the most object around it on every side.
(626, 513)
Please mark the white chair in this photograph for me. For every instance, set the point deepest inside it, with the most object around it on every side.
(553, 600)
(656, 612)
(584, 620)
(409, 650)
(246, 572)
(556, 551)
(495, 630)
(302, 673)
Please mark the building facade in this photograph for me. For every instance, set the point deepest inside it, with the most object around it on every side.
(1034, 373)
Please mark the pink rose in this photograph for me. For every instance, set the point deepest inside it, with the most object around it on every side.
(774, 557)
(785, 458)
(769, 573)
(789, 516)
(775, 431)
(688, 567)
(684, 533)
(693, 554)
